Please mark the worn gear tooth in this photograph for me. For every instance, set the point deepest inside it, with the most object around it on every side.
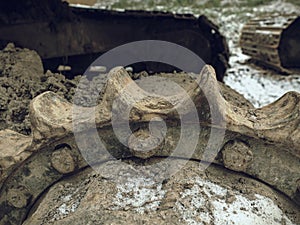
(120, 85)
(279, 122)
(50, 117)
(276, 123)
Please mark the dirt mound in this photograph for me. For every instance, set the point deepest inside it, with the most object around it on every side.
(22, 78)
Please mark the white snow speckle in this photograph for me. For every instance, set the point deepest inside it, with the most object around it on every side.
(207, 203)
(140, 193)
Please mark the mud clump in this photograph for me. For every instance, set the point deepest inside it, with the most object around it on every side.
(22, 78)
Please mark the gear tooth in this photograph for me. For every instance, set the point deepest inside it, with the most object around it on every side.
(50, 116)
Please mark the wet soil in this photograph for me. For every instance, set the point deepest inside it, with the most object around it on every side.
(22, 78)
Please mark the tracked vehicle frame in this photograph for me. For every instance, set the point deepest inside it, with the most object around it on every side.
(75, 36)
(273, 42)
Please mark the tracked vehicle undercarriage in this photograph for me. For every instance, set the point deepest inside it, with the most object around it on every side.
(75, 36)
(273, 41)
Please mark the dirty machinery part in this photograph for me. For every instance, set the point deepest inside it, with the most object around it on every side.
(265, 140)
(273, 41)
(74, 36)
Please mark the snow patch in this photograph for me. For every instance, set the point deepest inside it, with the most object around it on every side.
(140, 193)
(209, 203)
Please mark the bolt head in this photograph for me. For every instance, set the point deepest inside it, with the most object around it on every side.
(144, 145)
(18, 197)
(63, 161)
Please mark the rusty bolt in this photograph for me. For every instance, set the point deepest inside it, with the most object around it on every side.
(143, 144)
(63, 161)
(237, 156)
(18, 197)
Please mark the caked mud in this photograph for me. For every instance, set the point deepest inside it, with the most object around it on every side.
(45, 178)
(22, 78)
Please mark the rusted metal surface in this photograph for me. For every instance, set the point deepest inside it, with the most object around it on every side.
(77, 36)
(273, 41)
